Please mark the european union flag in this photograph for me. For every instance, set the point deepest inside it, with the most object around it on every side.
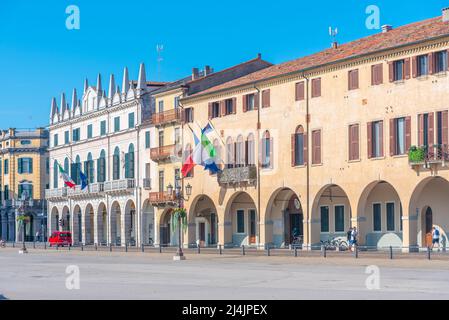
(84, 182)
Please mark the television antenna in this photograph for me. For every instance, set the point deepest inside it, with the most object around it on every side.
(333, 34)
(159, 50)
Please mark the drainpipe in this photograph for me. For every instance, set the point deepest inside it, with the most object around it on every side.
(308, 161)
(258, 164)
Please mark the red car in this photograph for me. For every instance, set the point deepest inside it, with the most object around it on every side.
(60, 238)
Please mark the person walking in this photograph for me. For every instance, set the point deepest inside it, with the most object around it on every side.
(435, 238)
(354, 236)
(349, 238)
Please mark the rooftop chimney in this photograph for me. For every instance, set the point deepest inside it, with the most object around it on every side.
(195, 73)
(259, 56)
(335, 45)
(386, 28)
(446, 14)
(207, 70)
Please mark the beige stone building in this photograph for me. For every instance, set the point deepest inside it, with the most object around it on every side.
(321, 143)
(23, 179)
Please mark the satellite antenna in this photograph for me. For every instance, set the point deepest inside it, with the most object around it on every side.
(159, 49)
(333, 34)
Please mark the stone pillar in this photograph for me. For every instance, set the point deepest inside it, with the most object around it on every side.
(409, 227)
(84, 222)
(97, 225)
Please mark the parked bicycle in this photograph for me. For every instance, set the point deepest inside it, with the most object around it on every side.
(333, 244)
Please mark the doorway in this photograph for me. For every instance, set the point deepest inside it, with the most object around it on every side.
(252, 226)
(202, 234)
(296, 226)
(428, 224)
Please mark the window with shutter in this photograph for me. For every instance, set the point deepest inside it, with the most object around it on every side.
(316, 147)
(266, 98)
(299, 91)
(353, 79)
(316, 87)
(354, 142)
(377, 74)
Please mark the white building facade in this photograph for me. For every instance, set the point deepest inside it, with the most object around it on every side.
(108, 138)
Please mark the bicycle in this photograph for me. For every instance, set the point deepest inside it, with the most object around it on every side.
(297, 241)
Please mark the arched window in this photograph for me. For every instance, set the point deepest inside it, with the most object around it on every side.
(230, 153)
(116, 164)
(299, 147)
(26, 190)
(75, 170)
(240, 152)
(55, 174)
(267, 150)
(89, 168)
(129, 163)
(101, 167)
(250, 152)
(67, 166)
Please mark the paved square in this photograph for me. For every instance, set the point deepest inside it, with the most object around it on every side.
(104, 275)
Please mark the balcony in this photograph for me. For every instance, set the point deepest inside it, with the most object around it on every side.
(120, 186)
(429, 158)
(163, 198)
(237, 176)
(56, 194)
(166, 117)
(92, 190)
(146, 183)
(166, 152)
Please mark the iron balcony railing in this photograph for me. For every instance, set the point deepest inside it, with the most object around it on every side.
(166, 152)
(438, 153)
(119, 185)
(91, 189)
(56, 193)
(238, 175)
(163, 197)
(169, 116)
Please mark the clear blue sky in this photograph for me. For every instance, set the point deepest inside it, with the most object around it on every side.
(40, 58)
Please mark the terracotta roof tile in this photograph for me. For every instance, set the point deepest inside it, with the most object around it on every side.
(415, 32)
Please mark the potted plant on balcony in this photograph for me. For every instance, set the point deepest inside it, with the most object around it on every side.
(417, 155)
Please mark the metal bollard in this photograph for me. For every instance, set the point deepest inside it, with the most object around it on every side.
(391, 253)
(356, 252)
(70, 246)
(14, 244)
(143, 247)
(220, 249)
(324, 250)
(110, 247)
(57, 247)
(45, 245)
(82, 247)
(96, 247)
(198, 249)
(34, 244)
(160, 249)
(126, 247)
(428, 253)
(268, 251)
(243, 250)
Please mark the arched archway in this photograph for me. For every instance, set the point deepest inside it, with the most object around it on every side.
(241, 225)
(129, 223)
(54, 220)
(167, 236)
(65, 219)
(203, 222)
(147, 222)
(89, 224)
(284, 218)
(331, 215)
(77, 234)
(428, 208)
(116, 224)
(380, 216)
(102, 225)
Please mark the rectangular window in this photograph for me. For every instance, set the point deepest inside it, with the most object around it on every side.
(377, 74)
(390, 216)
(299, 149)
(398, 70)
(176, 102)
(339, 218)
(89, 131)
(161, 138)
(161, 106)
(299, 91)
(131, 122)
(441, 61)
(76, 135)
(147, 140)
(6, 192)
(250, 102)
(161, 181)
(354, 149)
(240, 221)
(377, 139)
(316, 147)
(188, 115)
(6, 166)
(324, 219)
(353, 79)
(25, 165)
(229, 107)
(55, 140)
(266, 98)
(316, 88)
(377, 217)
(103, 128)
(215, 112)
(177, 135)
(399, 136)
(66, 137)
(116, 124)
(422, 65)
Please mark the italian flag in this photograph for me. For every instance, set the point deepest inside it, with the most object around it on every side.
(67, 180)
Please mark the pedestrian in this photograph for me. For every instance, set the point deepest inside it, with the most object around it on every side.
(348, 238)
(435, 238)
(37, 236)
(354, 236)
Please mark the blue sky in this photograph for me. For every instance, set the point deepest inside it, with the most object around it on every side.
(40, 57)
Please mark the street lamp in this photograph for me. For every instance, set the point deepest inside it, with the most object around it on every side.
(180, 198)
(23, 218)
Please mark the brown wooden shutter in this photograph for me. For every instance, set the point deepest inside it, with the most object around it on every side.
(391, 71)
(234, 105)
(305, 144)
(380, 73)
(293, 149)
(370, 139)
(420, 130)
(316, 147)
(209, 108)
(266, 98)
(431, 63)
(350, 153)
(222, 108)
(316, 87)
(299, 90)
(408, 133)
(414, 67)
(444, 127)
(192, 115)
(256, 100)
(244, 101)
(431, 127)
(356, 140)
(392, 137)
(373, 74)
(353, 79)
(407, 68)
(447, 59)
(381, 134)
